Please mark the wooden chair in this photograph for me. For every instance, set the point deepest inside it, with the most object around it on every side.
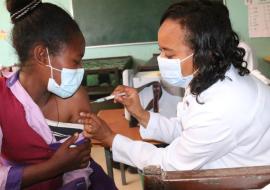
(255, 177)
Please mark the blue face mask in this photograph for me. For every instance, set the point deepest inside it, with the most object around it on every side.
(170, 70)
(70, 81)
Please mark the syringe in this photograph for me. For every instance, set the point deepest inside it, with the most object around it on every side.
(108, 98)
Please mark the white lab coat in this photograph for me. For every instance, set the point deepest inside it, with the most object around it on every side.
(230, 129)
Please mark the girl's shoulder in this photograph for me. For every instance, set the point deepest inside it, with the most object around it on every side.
(68, 109)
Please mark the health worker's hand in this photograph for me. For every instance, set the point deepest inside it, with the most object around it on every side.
(96, 128)
(132, 103)
(130, 100)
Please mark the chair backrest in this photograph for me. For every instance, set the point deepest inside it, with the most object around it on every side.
(255, 177)
(143, 81)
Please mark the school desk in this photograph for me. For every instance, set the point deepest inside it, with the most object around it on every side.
(104, 70)
(267, 59)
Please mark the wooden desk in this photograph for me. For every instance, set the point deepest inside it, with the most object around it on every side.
(151, 65)
(116, 121)
(267, 59)
(104, 67)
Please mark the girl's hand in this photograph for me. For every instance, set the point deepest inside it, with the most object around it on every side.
(71, 157)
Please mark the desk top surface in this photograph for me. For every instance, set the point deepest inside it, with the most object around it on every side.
(267, 58)
(116, 121)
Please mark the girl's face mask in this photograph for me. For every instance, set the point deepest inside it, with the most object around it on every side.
(70, 80)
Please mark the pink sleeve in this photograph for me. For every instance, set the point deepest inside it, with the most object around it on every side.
(4, 170)
(10, 176)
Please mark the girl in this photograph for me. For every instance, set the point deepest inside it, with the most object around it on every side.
(50, 47)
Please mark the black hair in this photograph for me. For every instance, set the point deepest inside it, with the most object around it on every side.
(210, 35)
(47, 24)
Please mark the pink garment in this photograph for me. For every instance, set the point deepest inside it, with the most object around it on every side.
(34, 115)
(38, 123)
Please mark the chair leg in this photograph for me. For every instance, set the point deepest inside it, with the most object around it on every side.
(109, 160)
(123, 175)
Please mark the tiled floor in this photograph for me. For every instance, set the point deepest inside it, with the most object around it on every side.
(133, 180)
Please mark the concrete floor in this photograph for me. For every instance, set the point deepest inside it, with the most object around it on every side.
(133, 180)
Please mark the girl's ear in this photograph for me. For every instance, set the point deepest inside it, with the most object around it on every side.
(40, 55)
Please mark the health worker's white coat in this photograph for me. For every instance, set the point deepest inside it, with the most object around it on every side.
(230, 128)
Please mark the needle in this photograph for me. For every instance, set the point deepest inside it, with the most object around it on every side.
(108, 98)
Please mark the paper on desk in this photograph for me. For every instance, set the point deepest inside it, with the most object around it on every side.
(259, 20)
(127, 77)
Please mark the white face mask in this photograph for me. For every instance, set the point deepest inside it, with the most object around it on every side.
(170, 70)
(70, 80)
